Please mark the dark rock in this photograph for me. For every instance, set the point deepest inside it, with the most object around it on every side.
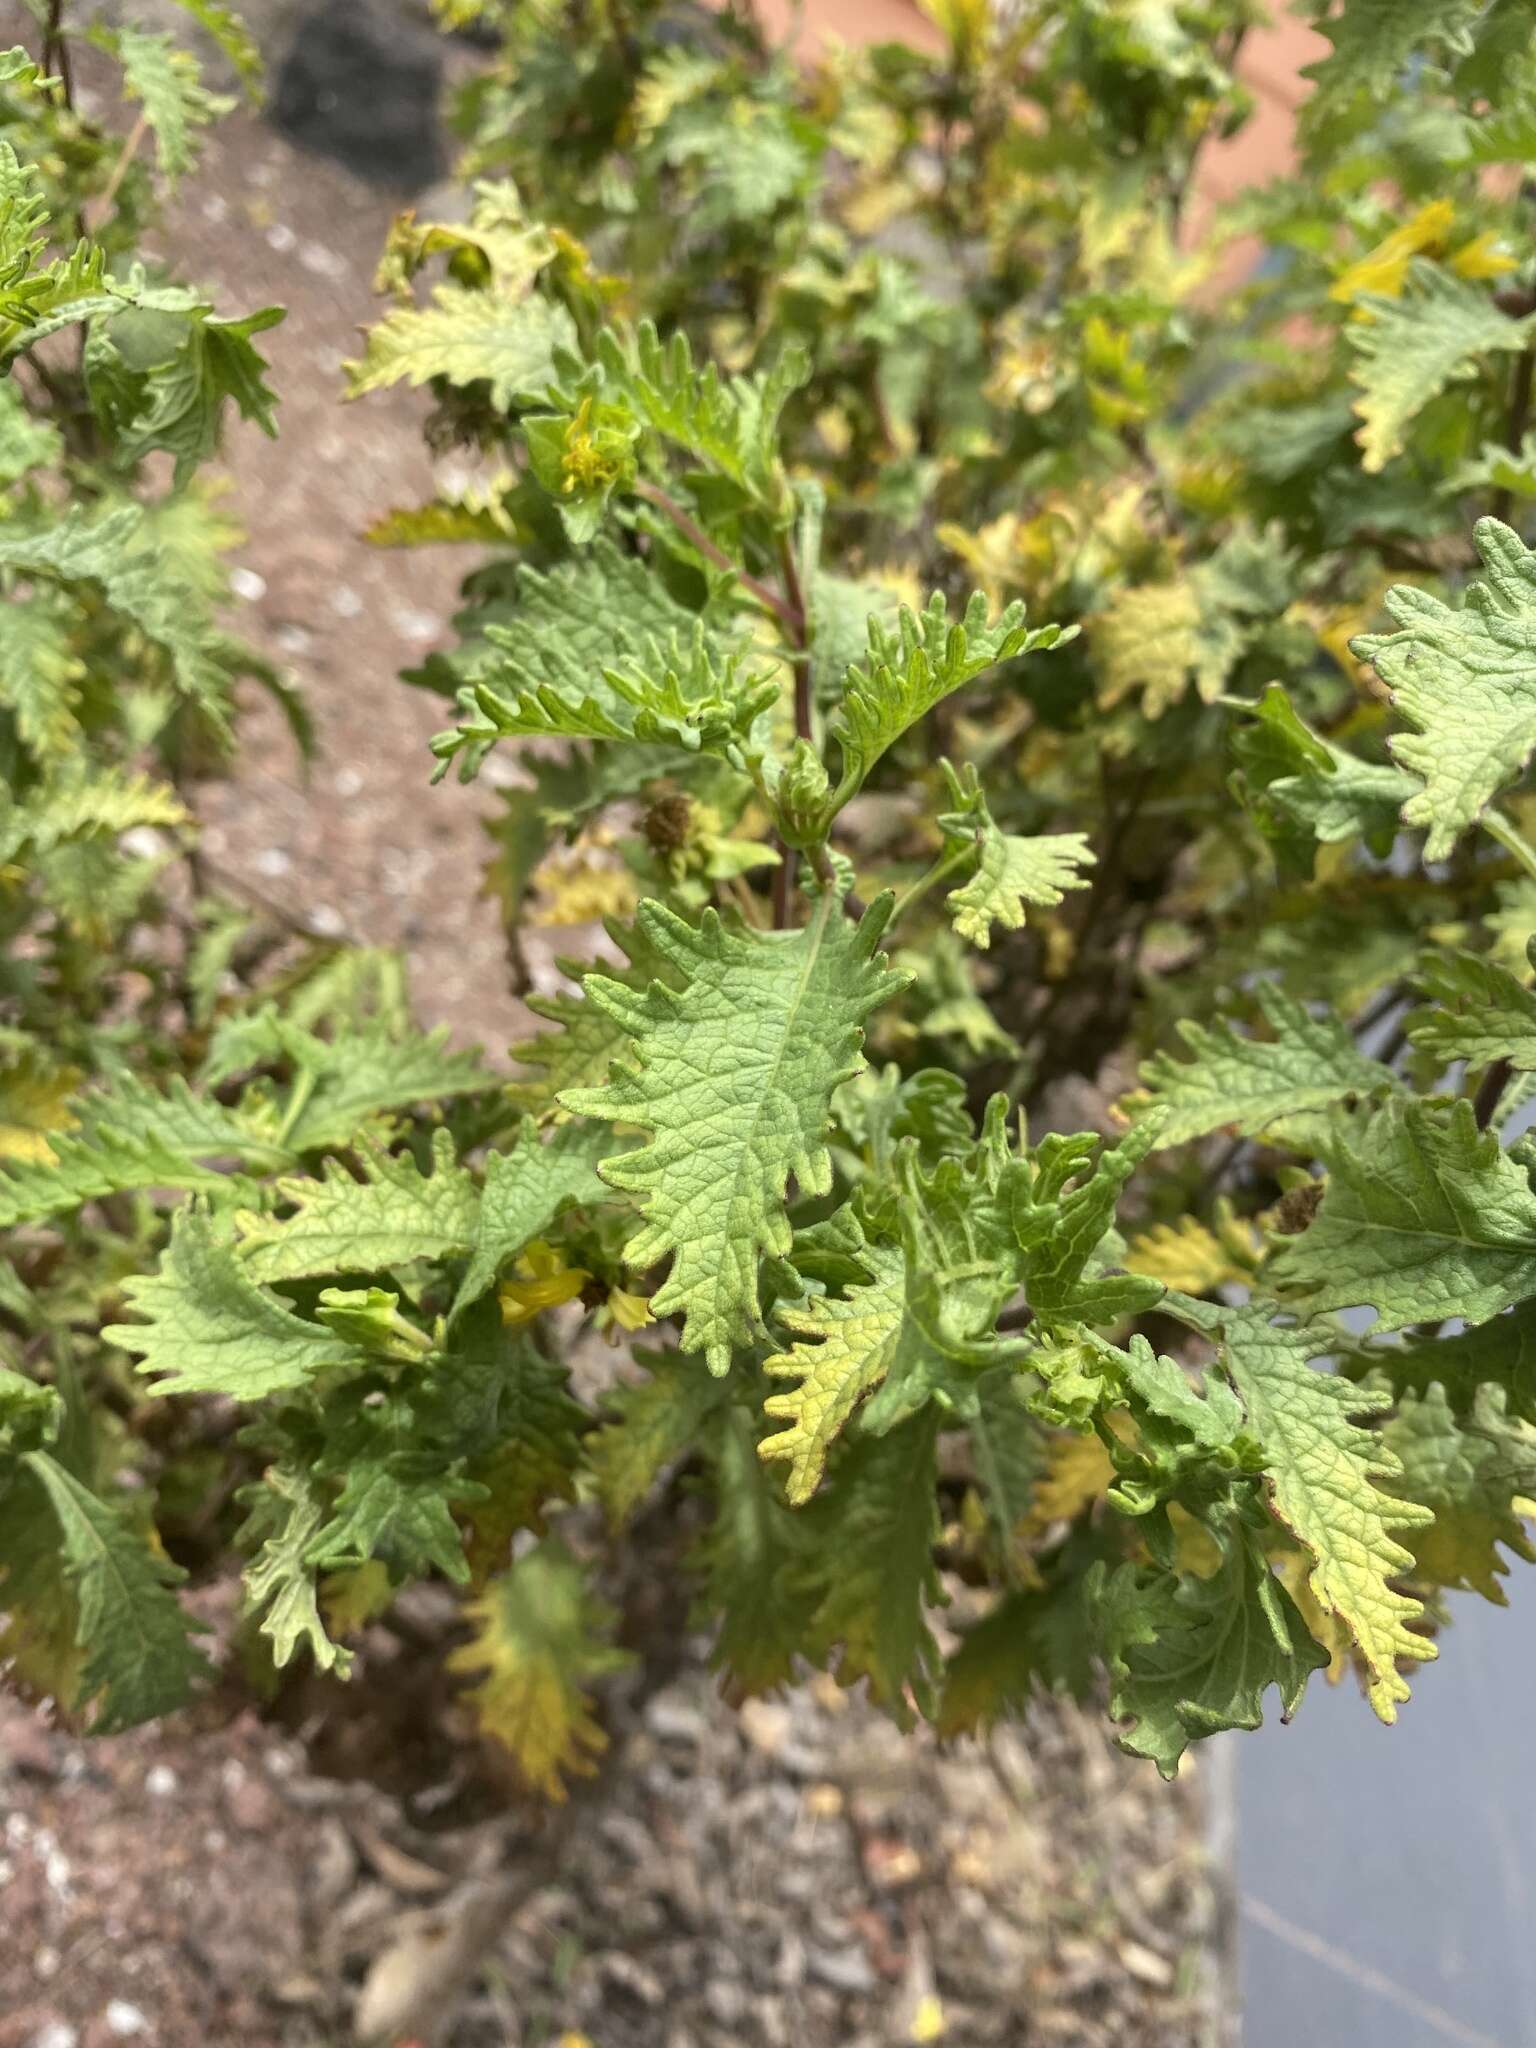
(361, 82)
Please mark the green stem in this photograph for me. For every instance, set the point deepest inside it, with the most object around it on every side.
(417, 1339)
(946, 864)
(1519, 415)
(692, 532)
(297, 1102)
(794, 597)
(1498, 827)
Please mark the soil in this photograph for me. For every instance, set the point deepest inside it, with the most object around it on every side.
(798, 1875)
(795, 1875)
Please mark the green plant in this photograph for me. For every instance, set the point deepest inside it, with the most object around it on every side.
(909, 883)
(117, 695)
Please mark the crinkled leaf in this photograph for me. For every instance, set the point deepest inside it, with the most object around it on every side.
(395, 1505)
(1482, 1013)
(1499, 1353)
(757, 1592)
(1411, 348)
(844, 1346)
(1251, 1084)
(1307, 789)
(1152, 640)
(525, 1189)
(135, 580)
(687, 694)
(502, 339)
(1469, 1471)
(160, 375)
(286, 1511)
(550, 647)
(654, 1421)
(732, 1077)
(914, 665)
(1374, 39)
(1422, 1216)
(588, 1037)
(729, 422)
(394, 1214)
(1323, 1471)
(361, 1073)
(139, 1658)
(129, 1136)
(1188, 1656)
(167, 81)
(1464, 677)
(1063, 1207)
(209, 1329)
(874, 1528)
(513, 1415)
(541, 1637)
(1011, 870)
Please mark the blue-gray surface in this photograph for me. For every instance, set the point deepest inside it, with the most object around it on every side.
(1388, 1875)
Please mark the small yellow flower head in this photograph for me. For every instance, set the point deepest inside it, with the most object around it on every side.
(541, 1280)
(629, 1311)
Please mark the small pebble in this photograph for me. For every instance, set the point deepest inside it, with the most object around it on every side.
(125, 2019)
(674, 1722)
(248, 584)
(845, 1969)
(323, 262)
(415, 625)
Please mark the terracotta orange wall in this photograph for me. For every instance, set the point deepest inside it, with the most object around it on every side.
(1272, 62)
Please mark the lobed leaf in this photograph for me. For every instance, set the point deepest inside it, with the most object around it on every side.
(1251, 1084)
(1483, 1013)
(1188, 1656)
(209, 1329)
(540, 1638)
(1323, 1472)
(1422, 1216)
(732, 1077)
(139, 1660)
(1464, 677)
(912, 666)
(1011, 870)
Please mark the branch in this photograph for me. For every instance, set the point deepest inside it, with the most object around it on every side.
(125, 157)
(56, 51)
(1519, 415)
(1490, 1090)
(695, 535)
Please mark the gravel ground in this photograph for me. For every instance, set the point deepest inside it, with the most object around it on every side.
(363, 846)
(793, 1876)
(797, 1875)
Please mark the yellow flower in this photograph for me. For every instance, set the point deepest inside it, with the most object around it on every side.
(629, 1311)
(542, 1280)
(1483, 256)
(1384, 269)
